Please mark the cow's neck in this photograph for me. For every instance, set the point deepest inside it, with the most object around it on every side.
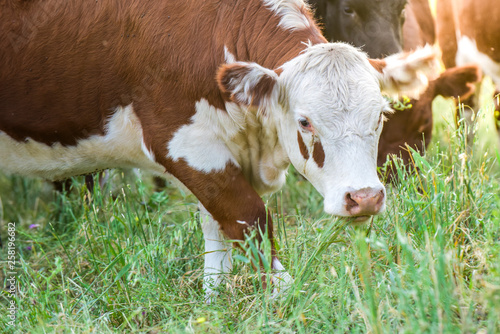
(266, 36)
(258, 37)
(259, 152)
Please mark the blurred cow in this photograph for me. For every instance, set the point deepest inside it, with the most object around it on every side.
(469, 33)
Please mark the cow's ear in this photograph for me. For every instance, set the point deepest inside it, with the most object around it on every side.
(248, 84)
(407, 73)
(458, 81)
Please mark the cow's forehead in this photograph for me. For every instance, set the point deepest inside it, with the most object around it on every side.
(332, 77)
(325, 57)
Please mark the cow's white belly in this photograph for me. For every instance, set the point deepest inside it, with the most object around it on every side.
(468, 53)
(121, 146)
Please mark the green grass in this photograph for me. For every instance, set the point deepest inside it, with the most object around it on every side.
(131, 259)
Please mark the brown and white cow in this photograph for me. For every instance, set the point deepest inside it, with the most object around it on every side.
(222, 95)
(412, 127)
(469, 33)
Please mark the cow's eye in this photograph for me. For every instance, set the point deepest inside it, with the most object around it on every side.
(305, 124)
(348, 10)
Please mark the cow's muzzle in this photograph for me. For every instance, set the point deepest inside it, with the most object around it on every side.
(363, 203)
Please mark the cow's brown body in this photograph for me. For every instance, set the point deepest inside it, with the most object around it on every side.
(105, 54)
(135, 54)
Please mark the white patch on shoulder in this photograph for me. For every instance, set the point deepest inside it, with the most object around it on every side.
(468, 53)
(290, 12)
(202, 143)
(215, 137)
(121, 146)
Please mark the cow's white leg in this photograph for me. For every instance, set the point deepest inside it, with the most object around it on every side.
(217, 255)
(281, 278)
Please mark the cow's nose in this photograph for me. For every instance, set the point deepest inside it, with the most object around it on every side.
(364, 202)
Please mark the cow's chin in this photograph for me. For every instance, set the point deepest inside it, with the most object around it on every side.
(359, 220)
(353, 220)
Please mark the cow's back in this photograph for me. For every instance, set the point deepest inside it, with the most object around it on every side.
(476, 20)
(68, 69)
(65, 66)
(59, 70)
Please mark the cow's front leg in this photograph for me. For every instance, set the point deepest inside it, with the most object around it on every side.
(217, 254)
(280, 278)
(238, 209)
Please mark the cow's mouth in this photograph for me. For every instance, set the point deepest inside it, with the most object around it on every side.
(359, 220)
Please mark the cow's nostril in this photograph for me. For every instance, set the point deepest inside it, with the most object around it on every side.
(364, 202)
(381, 197)
(350, 202)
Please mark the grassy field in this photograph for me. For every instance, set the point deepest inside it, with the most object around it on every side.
(131, 259)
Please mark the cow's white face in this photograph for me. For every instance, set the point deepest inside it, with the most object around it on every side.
(331, 123)
(328, 109)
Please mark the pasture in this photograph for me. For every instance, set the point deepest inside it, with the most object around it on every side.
(129, 259)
